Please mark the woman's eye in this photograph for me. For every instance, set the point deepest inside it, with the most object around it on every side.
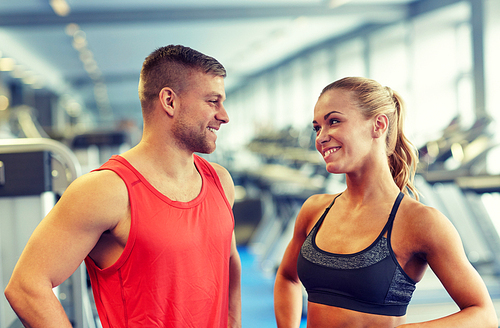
(316, 129)
(334, 121)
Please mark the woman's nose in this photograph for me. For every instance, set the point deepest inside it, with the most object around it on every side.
(322, 136)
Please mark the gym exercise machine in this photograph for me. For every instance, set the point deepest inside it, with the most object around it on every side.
(34, 172)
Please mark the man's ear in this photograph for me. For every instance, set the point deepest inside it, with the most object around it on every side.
(380, 125)
(168, 99)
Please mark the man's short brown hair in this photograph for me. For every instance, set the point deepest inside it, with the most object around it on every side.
(170, 66)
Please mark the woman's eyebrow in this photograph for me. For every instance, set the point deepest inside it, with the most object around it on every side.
(328, 114)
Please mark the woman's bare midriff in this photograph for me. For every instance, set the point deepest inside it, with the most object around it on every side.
(325, 316)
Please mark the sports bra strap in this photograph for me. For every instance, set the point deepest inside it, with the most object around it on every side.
(325, 212)
(394, 210)
(333, 202)
(396, 205)
(388, 225)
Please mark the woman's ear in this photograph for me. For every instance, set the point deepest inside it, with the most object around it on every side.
(380, 125)
(167, 97)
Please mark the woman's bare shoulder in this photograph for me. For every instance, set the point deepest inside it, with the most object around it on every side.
(425, 225)
(320, 200)
(416, 212)
(312, 209)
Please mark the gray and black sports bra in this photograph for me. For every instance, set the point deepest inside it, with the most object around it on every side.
(369, 281)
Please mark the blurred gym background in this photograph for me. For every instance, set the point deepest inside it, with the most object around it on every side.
(68, 101)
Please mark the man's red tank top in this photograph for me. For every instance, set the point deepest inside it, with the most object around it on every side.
(174, 270)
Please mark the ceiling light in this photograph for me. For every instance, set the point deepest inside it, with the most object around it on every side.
(79, 40)
(4, 103)
(301, 21)
(86, 55)
(79, 36)
(337, 3)
(60, 7)
(95, 74)
(457, 152)
(71, 29)
(79, 44)
(38, 84)
(29, 79)
(18, 72)
(239, 192)
(7, 64)
(74, 109)
(90, 66)
(433, 149)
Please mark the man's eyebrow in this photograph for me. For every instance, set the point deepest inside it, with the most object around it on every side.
(328, 114)
(216, 94)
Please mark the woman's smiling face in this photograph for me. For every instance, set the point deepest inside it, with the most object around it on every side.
(343, 134)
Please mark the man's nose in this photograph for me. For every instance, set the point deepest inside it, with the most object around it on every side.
(222, 115)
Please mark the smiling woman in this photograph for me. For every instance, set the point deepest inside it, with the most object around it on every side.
(360, 253)
(367, 99)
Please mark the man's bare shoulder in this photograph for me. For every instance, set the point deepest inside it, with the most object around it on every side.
(98, 195)
(226, 180)
(104, 183)
(221, 170)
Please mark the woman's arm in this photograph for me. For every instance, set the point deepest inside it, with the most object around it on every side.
(445, 254)
(287, 287)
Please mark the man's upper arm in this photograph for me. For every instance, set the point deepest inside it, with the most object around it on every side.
(91, 204)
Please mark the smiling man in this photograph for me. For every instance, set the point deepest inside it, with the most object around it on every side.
(154, 224)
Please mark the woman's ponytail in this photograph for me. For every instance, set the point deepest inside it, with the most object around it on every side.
(403, 156)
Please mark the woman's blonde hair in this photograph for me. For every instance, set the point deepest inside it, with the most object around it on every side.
(373, 99)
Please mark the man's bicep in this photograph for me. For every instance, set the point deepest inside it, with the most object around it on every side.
(54, 252)
(68, 233)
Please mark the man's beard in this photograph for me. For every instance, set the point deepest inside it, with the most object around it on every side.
(195, 141)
